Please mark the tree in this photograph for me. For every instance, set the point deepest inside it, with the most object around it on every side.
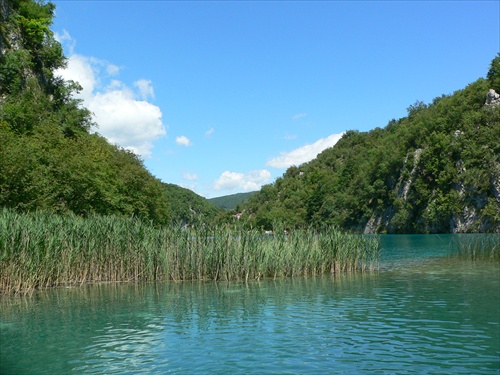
(493, 75)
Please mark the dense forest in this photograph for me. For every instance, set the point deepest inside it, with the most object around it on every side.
(435, 171)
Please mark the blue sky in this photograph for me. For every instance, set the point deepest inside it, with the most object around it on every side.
(222, 96)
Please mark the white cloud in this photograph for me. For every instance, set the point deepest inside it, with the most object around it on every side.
(123, 116)
(112, 70)
(80, 69)
(209, 132)
(125, 121)
(298, 116)
(183, 141)
(145, 88)
(65, 38)
(251, 181)
(304, 153)
(190, 176)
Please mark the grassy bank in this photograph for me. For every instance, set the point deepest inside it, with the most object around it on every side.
(41, 249)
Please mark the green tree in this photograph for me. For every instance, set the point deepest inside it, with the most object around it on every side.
(493, 75)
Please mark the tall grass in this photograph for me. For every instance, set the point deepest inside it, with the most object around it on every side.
(475, 247)
(41, 249)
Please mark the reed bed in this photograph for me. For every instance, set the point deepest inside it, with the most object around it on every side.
(477, 247)
(40, 250)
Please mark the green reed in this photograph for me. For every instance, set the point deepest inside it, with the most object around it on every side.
(477, 247)
(41, 249)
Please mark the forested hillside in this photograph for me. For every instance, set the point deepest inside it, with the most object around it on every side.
(187, 207)
(231, 202)
(435, 171)
(48, 157)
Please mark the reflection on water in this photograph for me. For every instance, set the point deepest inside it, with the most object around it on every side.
(434, 315)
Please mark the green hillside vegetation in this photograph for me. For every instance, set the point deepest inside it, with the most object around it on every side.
(231, 202)
(49, 159)
(435, 171)
(189, 208)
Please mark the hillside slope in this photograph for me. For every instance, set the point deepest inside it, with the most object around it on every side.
(230, 202)
(435, 171)
(187, 207)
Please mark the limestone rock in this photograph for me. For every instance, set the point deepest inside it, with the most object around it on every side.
(492, 98)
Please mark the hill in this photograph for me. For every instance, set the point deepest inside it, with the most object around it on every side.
(231, 202)
(187, 207)
(435, 171)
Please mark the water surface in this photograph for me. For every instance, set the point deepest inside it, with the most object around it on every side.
(421, 314)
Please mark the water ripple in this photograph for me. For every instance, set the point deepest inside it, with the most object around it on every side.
(356, 324)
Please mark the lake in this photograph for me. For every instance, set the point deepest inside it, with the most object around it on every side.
(422, 313)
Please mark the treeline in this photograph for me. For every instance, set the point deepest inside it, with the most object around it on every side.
(435, 171)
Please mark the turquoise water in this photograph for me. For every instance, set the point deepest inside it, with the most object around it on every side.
(421, 314)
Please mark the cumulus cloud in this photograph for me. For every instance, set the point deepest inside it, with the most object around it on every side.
(304, 153)
(124, 116)
(251, 181)
(183, 141)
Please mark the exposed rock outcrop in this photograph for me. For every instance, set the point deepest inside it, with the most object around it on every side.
(492, 98)
(404, 186)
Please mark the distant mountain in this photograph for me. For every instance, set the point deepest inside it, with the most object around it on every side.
(187, 207)
(230, 202)
(435, 171)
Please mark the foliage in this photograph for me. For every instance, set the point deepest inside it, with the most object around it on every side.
(43, 249)
(48, 157)
(231, 202)
(485, 247)
(424, 173)
(189, 208)
(494, 73)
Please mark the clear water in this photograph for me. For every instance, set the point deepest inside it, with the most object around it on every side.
(421, 314)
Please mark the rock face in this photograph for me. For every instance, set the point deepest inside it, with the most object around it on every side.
(468, 219)
(404, 186)
(492, 98)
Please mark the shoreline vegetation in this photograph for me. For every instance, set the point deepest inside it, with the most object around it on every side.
(42, 249)
(480, 247)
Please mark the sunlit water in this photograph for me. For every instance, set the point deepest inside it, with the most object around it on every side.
(421, 314)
